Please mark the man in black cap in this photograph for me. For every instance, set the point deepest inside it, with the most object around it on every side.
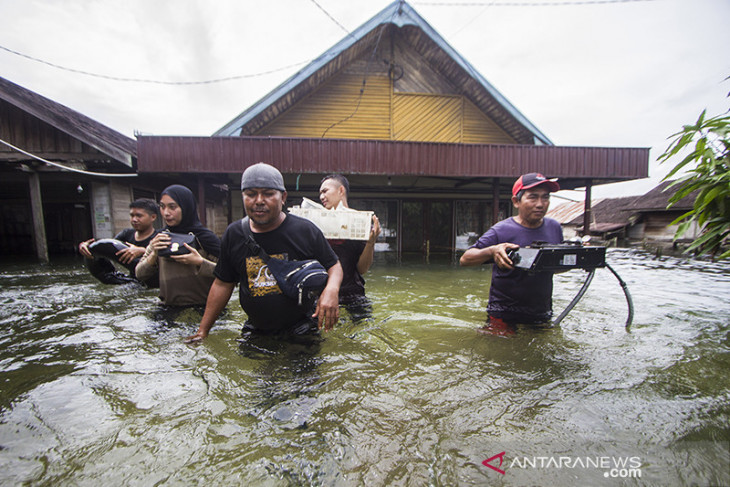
(281, 235)
(516, 296)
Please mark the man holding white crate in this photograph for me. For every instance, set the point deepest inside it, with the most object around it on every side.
(356, 256)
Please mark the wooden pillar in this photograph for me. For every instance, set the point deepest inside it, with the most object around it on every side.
(399, 229)
(495, 200)
(39, 226)
(201, 200)
(587, 217)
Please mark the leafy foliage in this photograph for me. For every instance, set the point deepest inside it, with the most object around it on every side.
(707, 171)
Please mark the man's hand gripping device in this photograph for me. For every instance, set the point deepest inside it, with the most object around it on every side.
(544, 257)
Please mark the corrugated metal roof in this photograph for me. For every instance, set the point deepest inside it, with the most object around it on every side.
(71, 122)
(566, 212)
(608, 211)
(412, 27)
(316, 156)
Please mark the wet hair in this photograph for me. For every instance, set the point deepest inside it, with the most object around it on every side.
(342, 180)
(145, 204)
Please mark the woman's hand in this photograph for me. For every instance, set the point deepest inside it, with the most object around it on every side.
(193, 258)
(161, 241)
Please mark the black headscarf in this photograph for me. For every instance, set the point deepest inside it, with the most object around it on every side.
(190, 222)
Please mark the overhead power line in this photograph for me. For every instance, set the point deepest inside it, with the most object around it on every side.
(151, 81)
(527, 4)
(66, 168)
(331, 17)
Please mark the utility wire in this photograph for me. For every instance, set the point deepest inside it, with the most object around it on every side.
(66, 168)
(365, 76)
(527, 4)
(151, 81)
(331, 17)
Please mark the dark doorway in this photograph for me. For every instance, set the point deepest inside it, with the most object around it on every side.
(427, 227)
(67, 224)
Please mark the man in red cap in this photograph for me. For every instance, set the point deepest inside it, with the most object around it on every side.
(516, 296)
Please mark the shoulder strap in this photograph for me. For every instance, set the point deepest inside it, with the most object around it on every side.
(251, 243)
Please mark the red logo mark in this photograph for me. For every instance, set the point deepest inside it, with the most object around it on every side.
(501, 459)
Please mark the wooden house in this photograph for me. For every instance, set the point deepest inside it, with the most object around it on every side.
(65, 178)
(651, 219)
(425, 140)
(630, 220)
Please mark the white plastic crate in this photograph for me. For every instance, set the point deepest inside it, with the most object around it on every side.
(336, 224)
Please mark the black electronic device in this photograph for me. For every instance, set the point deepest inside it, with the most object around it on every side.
(544, 257)
(540, 257)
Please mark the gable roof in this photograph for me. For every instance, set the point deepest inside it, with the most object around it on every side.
(609, 211)
(79, 126)
(613, 213)
(658, 198)
(419, 34)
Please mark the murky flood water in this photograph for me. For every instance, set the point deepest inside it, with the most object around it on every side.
(99, 389)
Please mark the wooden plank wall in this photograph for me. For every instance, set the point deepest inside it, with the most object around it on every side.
(479, 129)
(404, 99)
(427, 118)
(332, 107)
(38, 137)
(121, 197)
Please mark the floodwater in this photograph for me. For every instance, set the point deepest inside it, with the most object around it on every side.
(98, 387)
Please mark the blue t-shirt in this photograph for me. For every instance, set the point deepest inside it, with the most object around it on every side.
(516, 295)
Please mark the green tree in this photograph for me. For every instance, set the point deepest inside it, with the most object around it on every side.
(707, 169)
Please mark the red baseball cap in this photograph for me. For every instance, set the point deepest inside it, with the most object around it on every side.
(527, 181)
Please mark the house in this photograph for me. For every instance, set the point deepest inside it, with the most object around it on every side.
(45, 209)
(66, 178)
(630, 220)
(652, 219)
(425, 140)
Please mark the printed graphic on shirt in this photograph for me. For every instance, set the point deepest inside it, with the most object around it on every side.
(260, 280)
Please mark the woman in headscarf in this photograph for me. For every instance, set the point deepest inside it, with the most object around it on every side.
(185, 279)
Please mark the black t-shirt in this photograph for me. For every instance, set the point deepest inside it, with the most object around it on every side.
(267, 308)
(127, 235)
(353, 284)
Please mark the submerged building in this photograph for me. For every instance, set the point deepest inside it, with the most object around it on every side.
(65, 177)
(425, 140)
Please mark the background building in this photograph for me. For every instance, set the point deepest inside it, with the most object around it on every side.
(425, 140)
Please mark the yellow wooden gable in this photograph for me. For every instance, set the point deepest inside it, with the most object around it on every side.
(402, 100)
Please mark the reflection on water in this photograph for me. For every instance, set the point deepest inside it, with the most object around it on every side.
(98, 388)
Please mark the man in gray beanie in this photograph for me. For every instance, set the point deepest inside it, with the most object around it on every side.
(280, 235)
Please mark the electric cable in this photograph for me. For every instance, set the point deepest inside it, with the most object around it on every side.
(365, 76)
(331, 17)
(66, 168)
(566, 3)
(629, 301)
(577, 298)
(152, 81)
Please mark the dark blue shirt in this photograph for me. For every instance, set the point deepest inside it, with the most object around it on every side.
(516, 295)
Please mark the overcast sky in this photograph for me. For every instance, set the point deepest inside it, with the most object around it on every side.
(620, 74)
